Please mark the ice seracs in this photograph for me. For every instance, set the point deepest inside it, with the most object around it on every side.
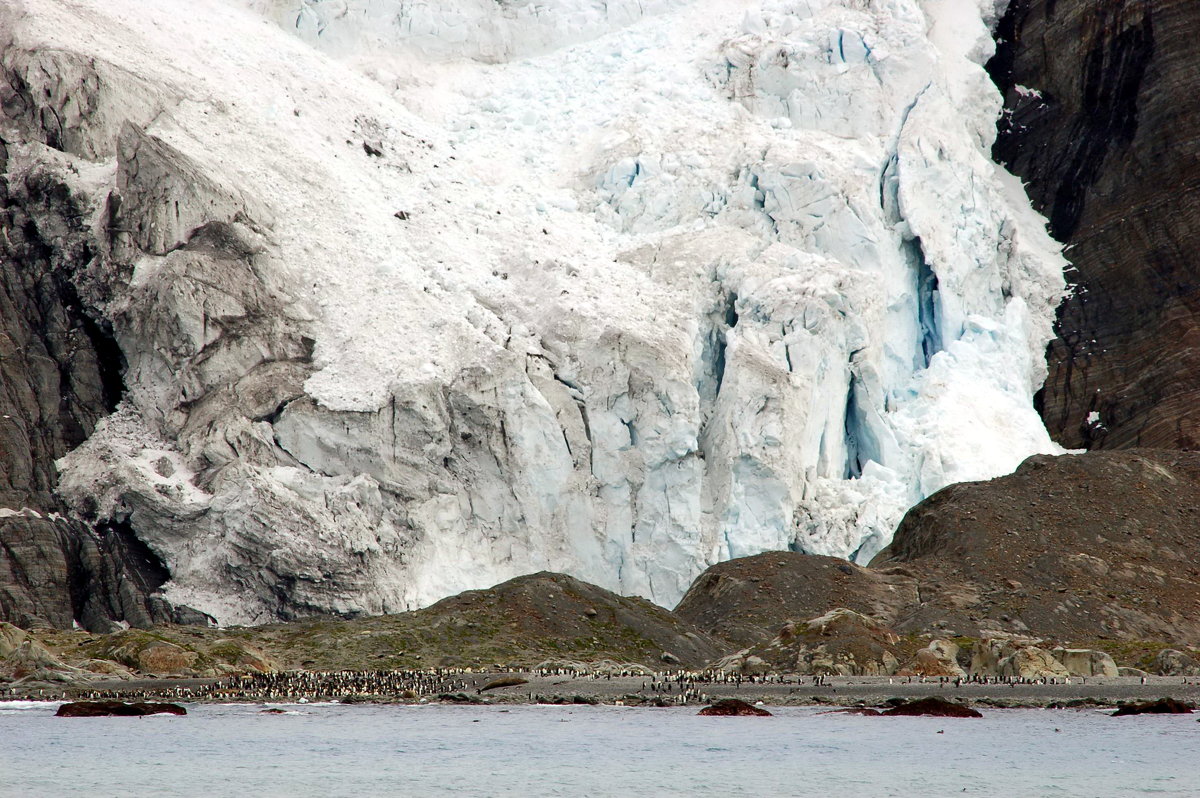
(616, 289)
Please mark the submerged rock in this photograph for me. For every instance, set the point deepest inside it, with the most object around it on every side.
(106, 709)
(730, 707)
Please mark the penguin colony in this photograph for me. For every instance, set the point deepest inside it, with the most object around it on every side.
(466, 684)
(676, 687)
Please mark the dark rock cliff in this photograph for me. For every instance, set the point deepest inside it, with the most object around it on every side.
(60, 372)
(1103, 122)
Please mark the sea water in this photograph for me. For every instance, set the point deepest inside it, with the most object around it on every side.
(377, 750)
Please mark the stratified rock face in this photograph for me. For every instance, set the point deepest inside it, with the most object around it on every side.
(59, 374)
(1104, 124)
(1073, 547)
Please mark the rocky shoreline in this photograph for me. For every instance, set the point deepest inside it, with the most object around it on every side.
(651, 690)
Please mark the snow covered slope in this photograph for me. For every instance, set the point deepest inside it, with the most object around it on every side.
(429, 295)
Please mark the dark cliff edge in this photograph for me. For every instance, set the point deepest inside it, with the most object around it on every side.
(60, 373)
(1103, 122)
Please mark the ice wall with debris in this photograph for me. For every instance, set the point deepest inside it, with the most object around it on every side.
(417, 297)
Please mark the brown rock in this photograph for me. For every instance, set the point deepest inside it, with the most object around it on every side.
(1163, 706)
(934, 707)
(938, 659)
(746, 600)
(730, 707)
(1100, 543)
(106, 709)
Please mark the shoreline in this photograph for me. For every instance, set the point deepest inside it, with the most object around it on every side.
(460, 689)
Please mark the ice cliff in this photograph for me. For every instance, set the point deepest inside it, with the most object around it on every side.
(416, 297)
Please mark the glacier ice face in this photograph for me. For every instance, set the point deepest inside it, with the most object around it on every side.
(616, 289)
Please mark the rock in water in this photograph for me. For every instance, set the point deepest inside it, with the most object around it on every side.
(933, 707)
(1163, 706)
(105, 709)
(729, 707)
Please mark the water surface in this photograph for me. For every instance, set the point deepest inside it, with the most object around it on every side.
(368, 750)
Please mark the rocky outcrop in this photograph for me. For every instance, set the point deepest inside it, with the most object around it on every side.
(932, 707)
(1163, 706)
(553, 611)
(940, 659)
(60, 373)
(839, 643)
(746, 600)
(1086, 662)
(1103, 125)
(1171, 662)
(1029, 663)
(1071, 548)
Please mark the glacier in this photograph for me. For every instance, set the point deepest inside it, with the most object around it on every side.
(416, 297)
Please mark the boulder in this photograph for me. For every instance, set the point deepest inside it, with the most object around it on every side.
(1086, 662)
(1163, 706)
(106, 709)
(239, 656)
(1171, 662)
(938, 659)
(1031, 662)
(730, 707)
(934, 707)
